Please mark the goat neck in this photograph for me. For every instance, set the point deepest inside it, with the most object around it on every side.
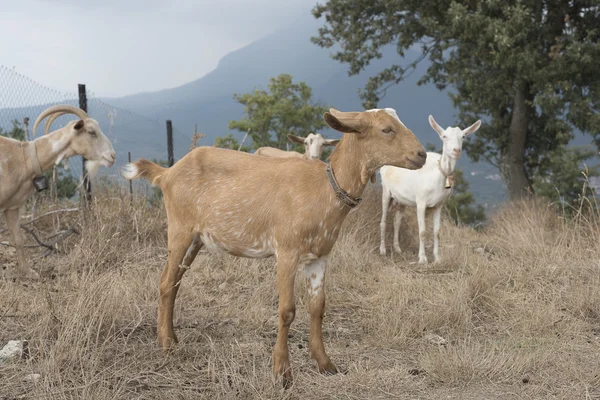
(350, 164)
(448, 163)
(52, 148)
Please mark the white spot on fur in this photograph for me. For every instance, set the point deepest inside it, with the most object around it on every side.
(390, 111)
(315, 272)
(58, 144)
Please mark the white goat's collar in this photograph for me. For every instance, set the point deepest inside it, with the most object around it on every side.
(340, 193)
(31, 150)
(449, 176)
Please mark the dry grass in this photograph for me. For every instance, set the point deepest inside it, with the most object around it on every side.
(521, 319)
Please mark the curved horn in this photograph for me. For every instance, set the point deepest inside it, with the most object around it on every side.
(66, 108)
(51, 119)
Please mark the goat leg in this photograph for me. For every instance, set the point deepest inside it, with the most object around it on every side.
(12, 221)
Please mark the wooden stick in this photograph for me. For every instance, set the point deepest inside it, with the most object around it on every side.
(243, 140)
(50, 213)
(43, 215)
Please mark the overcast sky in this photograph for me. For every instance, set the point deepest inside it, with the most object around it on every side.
(119, 47)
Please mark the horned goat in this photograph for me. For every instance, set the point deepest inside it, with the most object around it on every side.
(263, 206)
(428, 187)
(21, 162)
(313, 147)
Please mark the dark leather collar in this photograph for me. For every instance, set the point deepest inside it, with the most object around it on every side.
(31, 151)
(340, 193)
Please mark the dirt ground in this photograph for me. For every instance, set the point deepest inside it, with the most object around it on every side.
(512, 312)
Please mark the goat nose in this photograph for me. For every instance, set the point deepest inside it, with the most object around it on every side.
(422, 154)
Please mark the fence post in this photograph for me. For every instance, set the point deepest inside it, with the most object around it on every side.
(87, 185)
(130, 181)
(26, 128)
(170, 142)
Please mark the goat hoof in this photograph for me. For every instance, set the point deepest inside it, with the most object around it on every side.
(328, 368)
(287, 381)
(382, 251)
(283, 370)
(168, 344)
(397, 249)
(423, 260)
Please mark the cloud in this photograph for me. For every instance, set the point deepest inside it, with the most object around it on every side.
(120, 47)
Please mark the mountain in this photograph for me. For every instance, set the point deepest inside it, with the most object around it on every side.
(208, 101)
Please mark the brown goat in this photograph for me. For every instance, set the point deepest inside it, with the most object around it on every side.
(260, 206)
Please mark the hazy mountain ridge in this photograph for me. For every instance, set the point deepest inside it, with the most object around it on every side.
(208, 101)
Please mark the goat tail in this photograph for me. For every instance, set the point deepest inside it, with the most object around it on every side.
(144, 169)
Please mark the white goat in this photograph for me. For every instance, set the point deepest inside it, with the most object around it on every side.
(313, 147)
(258, 207)
(21, 162)
(423, 188)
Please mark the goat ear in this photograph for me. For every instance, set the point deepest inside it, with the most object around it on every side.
(78, 125)
(295, 139)
(473, 128)
(345, 122)
(331, 142)
(435, 126)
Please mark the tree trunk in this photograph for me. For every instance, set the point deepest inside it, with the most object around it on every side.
(512, 159)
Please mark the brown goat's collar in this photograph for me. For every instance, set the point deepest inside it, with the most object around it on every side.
(31, 151)
(340, 193)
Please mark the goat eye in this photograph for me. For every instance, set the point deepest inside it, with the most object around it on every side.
(92, 133)
(387, 130)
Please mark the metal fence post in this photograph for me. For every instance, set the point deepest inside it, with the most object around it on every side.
(130, 181)
(87, 185)
(170, 142)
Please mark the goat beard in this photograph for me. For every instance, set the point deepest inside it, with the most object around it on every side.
(92, 167)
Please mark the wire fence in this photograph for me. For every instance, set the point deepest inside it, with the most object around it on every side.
(23, 99)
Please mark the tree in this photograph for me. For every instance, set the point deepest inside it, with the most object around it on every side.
(229, 142)
(460, 206)
(286, 108)
(528, 67)
(66, 184)
(563, 179)
(16, 132)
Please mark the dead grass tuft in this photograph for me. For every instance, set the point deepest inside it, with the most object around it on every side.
(513, 311)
